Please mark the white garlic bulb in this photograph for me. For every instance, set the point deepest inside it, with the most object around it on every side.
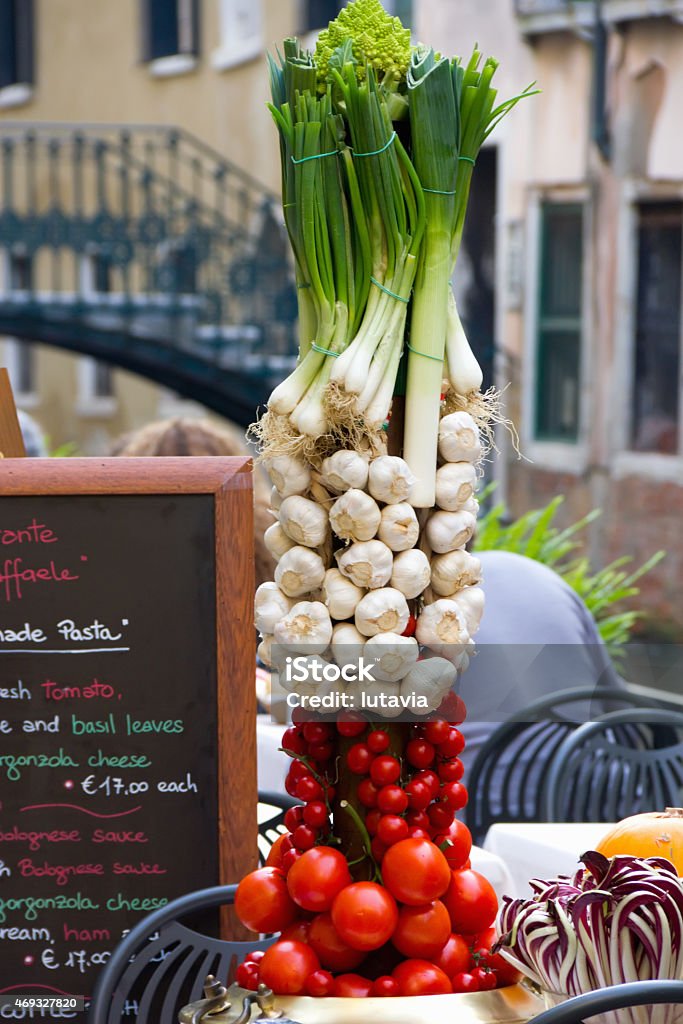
(431, 678)
(340, 594)
(442, 627)
(382, 611)
(306, 627)
(446, 531)
(391, 655)
(303, 520)
(399, 528)
(275, 499)
(300, 571)
(471, 602)
(277, 541)
(264, 651)
(345, 469)
(471, 505)
(289, 475)
(455, 485)
(390, 479)
(459, 438)
(453, 571)
(411, 572)
(347, 644)
(270, 605)
(368, 564)
(355, 516)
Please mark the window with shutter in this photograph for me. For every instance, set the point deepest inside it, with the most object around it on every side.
(655, 421)
(241, 27)
(558, 342)
(16, 43)
(170, 27)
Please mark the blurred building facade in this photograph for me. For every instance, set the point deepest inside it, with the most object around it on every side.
(579, 246)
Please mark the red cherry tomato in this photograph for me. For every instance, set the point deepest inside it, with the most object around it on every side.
(372, 821)
(262, 901)
(392, 829)
(453, 709)
(415, 832)
(465, 982)
(330, 948)
(308, 789)
(289, 859)
(451, 770)
(316, 732)
(378, 849)
(505, 973)
(391, 799)
(459, 843)
(432, 780)
(297, 931)
(411, 627)
(420, 978)
(286, 966)
(293, 741)
(418, 818)
(485, 978)
(315, 814)
(440, 816)
(365, 915)
(385, 769)
(437, 730)
(320, 751)
(454, 794)
(319, 984)
(453, 745)
(351, 725)
(359, 759)
(471, 902)
(415, 871)
(303, 837)
(294, 817)
(277, 851)
(378, 741)
(422, 931)
(384, 986)
(420, 753)
(351, 986)
(454, 958)
(299, 770)
(368, 793)
(317, 877)
(247, 976)
(419, 794)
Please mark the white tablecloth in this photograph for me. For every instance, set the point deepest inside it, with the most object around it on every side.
(271, 771)
(541, 850)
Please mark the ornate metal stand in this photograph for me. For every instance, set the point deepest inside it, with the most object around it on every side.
(232, 1006)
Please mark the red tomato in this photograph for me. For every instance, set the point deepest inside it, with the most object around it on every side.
(391, 799)
(276, 853)
(420, 753)
(262, 901)
(304, 837)
(351, 725)
(432, 780)
(486, 978)
(420, 978)
(454, 958)
(422, 931)
(294, 816)
(378, 741)
(440, 816)
(286, 966)
(378, 849)
(465, 982)
(330, 948)
(437, 730)
(319, 983)
(351, 986)
(459, 840)
(392, 829)
(385, 769)
(451, 770)
(359, 759)
(471, 901)
(419, 794)
(505, 973)
(316, 732)
(368, 793)
(293, 741)
(415, 871)
(308, 789)
(453, 745)
(315, 814)
(316, 878)
(365, 915)
(297, 931)
(454, 794)
(289, 859)
(384, 986)
(247, 976)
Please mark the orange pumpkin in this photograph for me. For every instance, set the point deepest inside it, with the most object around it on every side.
(655, 834)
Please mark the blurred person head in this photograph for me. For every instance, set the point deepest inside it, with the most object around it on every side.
(178, 437)
(34, 439)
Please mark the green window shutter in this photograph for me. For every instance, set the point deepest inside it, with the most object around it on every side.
(558, 341)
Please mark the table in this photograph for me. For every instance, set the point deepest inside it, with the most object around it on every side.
(542, 850)
(271, 772)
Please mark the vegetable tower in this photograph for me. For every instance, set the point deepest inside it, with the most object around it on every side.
(372, 445)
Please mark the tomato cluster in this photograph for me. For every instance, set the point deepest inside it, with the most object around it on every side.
(423, 924)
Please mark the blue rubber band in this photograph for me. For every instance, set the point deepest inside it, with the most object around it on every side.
(376, 152)
(324, 351)
(469, 159)
(387, 291)
(315, 156)
(424, 354)
(438, 191)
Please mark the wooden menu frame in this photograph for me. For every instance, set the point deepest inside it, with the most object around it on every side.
(229, 481)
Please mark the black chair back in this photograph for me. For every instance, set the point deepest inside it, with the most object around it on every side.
(617, 997)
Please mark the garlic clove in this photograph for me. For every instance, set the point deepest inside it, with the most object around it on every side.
(368, 564)
(455, 484)
(275, 499)
(264, 651)
(277, 541)
(390, 479)
(347, 644)
(300, 571)
(431, 678)
(471, 602)
(340, 594)
(447, 531)
(411, 573)
(459, 438)
(382, 611)
(391, 655)
(306, 628)
(270, 605)
(355, 516)
(344, 470)
(453, 571)
(289, 475)
(442, 627)
(399, 528)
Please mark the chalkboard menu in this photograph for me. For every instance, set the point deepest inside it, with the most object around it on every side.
(127, 750)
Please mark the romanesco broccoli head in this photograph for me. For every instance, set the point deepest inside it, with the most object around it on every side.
(377, 39)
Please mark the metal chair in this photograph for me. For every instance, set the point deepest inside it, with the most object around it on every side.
(617, 766)
(617, 997)
(505, 782)
(160, 966)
